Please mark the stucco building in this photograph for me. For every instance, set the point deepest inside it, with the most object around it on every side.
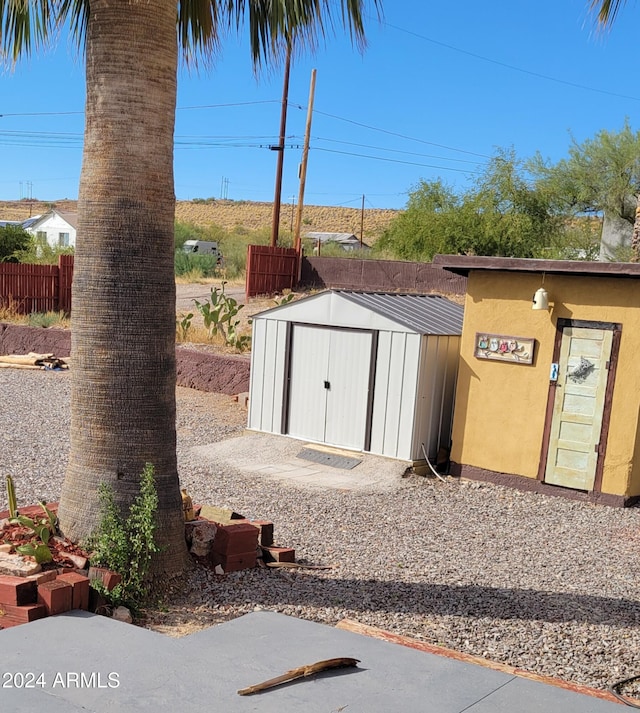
(548, 399)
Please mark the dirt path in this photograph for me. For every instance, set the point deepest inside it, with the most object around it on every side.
(186, 293)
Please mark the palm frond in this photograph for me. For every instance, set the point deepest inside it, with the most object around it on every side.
(606, 10)
(77, 13)
(200, 26)
(272, 24)
(26, 25)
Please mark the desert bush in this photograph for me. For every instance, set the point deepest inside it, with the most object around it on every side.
(41, 253)
(47, 319)
(196, 266)
(190, 231)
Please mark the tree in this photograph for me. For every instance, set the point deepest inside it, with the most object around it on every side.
(123, 324)
(606, 12)
(13, 238)
(600, 176)
(500, 215)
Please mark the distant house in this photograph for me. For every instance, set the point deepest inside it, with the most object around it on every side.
(347, 241)
(57, 228)
(19, 223)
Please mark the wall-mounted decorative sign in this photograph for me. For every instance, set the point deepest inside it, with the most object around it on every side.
(504, 348)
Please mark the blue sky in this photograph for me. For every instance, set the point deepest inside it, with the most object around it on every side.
(439, 87)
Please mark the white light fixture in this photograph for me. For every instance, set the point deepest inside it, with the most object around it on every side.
(541, 299)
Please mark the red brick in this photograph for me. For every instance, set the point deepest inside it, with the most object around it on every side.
(57, 596)
(265, 527)
(80, 584)
(32, 510)
(42, 577)
(235, 563)
(235, 539)
(106, 576)
(17, 590)
(13, 615)
(279, 554)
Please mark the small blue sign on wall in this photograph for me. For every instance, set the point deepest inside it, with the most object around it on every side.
(553, 376)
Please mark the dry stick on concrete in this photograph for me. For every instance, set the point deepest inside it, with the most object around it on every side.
(301, 672)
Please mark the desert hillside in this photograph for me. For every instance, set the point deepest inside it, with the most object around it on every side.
(230, 214)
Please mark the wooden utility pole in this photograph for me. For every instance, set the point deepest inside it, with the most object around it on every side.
(362, 222)
(303, 165)
(275, 220)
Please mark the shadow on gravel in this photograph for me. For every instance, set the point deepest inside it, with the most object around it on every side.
(460, 600)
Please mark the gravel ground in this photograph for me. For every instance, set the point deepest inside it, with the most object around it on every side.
(541, 583)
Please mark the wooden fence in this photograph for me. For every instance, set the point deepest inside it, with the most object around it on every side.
(379, 275)
(37, 288)
(270, 270)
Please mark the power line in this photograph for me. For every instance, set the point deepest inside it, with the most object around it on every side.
(402, 136)
(513, 67)
(409, 153)
(394, 160)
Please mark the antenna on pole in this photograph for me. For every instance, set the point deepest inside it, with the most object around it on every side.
(303, 165)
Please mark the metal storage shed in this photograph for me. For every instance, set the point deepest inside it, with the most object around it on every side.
(373, 372)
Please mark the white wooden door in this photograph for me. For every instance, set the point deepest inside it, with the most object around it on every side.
(578, 407)
(329, 385)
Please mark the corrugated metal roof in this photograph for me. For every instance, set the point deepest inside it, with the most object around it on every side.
(332, 237)
(425, 314)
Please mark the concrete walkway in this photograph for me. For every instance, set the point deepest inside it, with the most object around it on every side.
(83, 662)
(277, 457)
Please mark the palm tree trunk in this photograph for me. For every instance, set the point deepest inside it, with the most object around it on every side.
(123, 323)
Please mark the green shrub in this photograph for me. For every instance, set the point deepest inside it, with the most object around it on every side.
(127, 545)
(195, 265)
(37, 252)
(13, 240)
(47, 319)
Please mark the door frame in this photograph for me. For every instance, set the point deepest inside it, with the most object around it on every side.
(288, 355)
(561, 324)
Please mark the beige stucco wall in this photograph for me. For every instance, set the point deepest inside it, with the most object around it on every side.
(500, 407)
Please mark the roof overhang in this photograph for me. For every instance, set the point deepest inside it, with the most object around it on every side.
(464, 264)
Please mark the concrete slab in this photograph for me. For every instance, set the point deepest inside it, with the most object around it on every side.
(86, 662)
(275, 457)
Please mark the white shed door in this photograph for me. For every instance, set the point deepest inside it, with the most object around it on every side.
(329, 385)
(578, 407)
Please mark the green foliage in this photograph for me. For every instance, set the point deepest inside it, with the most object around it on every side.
(599, 174)
(501, 215)
(11, 497)
(13, 240)
(190, 231)
(46, 319)
(40, 552)
(127, 545)
(43, 528)
(197, 266)
(183, 325)
(233, 245)
(284, 299)
(219, 315)
(580, 240)
(38, 252)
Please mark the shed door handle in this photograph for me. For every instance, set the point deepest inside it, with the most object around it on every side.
(327, 385)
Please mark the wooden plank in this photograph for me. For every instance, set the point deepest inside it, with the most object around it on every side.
(374, 632)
